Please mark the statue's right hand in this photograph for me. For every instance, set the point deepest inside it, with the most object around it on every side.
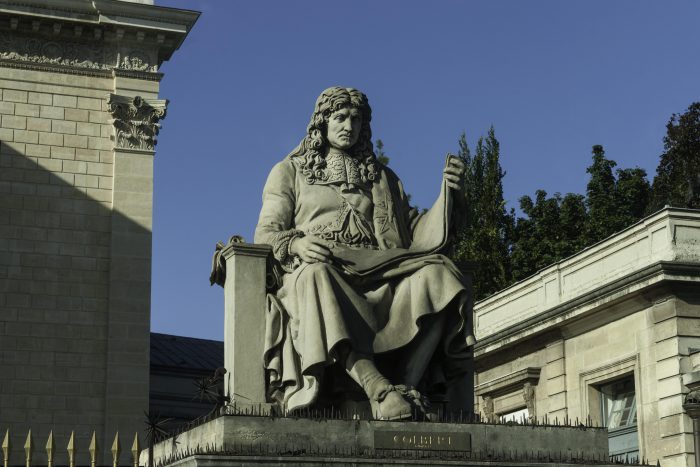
(310, 249)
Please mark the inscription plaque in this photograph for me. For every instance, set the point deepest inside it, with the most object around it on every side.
(423, 440)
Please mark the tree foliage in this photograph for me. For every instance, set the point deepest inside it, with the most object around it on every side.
(677, 180)
(483, 239)
(504, 249)
(551, 230)
(614, 200)
(381, 155)
(557, 227)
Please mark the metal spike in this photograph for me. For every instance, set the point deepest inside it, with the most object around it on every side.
(29, 448)
(6, 449)
(50, 449)
(116, 450)
(71, 449)
(135, 450)
(93, 450)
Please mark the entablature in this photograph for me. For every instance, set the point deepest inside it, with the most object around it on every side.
(92, 36)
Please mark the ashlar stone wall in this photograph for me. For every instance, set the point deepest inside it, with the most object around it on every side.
(56, 179)
(79, 116)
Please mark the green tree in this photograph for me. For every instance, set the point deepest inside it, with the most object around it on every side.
(614, 200)
(484, 234)
(632, 196)
(600, 196)
(677, 180)
(552, 229)
(381, 155)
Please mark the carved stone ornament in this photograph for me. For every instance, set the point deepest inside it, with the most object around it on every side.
(86, 55)
(136, 121)
(488, 409)
(529, 398)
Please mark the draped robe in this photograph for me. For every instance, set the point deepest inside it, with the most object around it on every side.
(383, 280)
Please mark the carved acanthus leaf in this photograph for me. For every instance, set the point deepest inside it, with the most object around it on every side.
(136, 120)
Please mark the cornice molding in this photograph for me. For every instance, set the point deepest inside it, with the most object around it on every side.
(508, 383)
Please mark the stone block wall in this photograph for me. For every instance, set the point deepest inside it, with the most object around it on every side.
(56, 220)
(78, 120)
(56, 167)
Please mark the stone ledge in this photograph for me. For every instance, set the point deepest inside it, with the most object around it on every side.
(409, 460)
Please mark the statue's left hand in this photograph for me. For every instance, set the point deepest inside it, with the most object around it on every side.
(454, 173)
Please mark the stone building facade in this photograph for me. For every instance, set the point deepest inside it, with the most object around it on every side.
(79, 116)
(605, 335)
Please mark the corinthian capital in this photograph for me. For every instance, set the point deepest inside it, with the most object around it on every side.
(136, 121)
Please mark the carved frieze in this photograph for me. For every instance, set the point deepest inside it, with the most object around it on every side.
(93, 55)
(136, 121)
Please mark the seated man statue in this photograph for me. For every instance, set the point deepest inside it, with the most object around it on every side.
(364, 285)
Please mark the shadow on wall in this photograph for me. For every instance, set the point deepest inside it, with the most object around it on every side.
(58, 234)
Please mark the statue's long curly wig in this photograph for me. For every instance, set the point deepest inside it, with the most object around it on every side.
(310, 154)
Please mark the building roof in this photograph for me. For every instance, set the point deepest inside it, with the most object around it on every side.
(186, 352)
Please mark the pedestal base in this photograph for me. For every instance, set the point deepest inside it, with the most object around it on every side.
(232, 440)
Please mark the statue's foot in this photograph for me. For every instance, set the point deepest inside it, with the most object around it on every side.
(418, 401)
(392, 406)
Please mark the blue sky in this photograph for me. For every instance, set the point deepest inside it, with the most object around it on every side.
(553, 77)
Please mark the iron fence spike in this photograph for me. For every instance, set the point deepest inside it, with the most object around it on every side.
(6, 446)
(50, 449)
(29, 448)
(135, 450)
(116, 450)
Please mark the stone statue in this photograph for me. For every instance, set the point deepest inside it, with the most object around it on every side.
(364, 284)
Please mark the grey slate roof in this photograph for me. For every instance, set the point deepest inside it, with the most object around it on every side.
(186, 352)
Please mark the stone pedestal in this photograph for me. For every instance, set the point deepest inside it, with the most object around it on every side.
(244, 322)
(252, 440)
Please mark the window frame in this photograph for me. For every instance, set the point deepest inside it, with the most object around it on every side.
(592, 379)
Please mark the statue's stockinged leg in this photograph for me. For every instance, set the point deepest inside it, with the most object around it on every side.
(418, 353)
(386, 402)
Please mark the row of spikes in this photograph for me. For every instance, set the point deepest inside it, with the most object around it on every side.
(460, 417)
(70, 448)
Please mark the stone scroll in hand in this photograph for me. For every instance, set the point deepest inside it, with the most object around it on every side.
(430, 235)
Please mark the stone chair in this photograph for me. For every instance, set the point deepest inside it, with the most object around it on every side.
(246, 273)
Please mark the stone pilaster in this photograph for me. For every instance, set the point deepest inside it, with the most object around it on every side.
(136, 123)
(556, 380)
(675, 333)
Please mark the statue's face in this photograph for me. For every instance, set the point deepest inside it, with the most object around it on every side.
(344, 128)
